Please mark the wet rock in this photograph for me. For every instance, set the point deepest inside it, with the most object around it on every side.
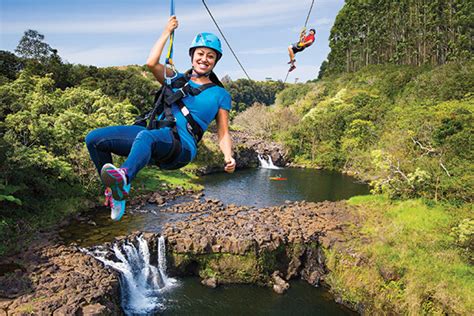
(57, 280)
(210, 282)
(246, 151)
(95, 310)
(280, 286)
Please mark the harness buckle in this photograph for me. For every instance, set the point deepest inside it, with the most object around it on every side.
(182, 92)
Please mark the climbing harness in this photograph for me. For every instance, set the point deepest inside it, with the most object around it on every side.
(162, 115)
(225, 39)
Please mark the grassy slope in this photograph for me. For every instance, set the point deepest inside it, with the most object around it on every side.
(406, 260)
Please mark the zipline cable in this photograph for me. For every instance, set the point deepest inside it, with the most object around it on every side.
(169, 56)
(223, 36)
(309, 13)
(286, 76)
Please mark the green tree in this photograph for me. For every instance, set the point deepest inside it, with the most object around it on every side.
(32, 46)
(10, 65)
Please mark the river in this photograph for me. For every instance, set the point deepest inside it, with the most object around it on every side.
(254, 187)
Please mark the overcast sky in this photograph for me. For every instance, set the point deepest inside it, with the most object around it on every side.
(121, 32)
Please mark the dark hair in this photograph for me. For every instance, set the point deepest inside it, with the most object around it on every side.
(214, 79)
(314, 31)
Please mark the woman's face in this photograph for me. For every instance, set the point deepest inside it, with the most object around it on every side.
(204, 60)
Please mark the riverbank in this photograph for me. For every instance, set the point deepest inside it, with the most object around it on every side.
(411, 259)
(50, 278)
(375, 255)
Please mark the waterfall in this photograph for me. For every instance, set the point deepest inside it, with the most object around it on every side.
(141, 282)
(266, 163)
(162, 259)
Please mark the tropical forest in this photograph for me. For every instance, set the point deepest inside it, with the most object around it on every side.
(367, 169)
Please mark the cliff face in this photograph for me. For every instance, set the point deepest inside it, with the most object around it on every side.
(269, 246)
(246, 150)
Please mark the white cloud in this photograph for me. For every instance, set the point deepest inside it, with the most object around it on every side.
(104, 55)
(242, 14)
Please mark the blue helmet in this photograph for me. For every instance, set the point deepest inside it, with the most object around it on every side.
(208, 40)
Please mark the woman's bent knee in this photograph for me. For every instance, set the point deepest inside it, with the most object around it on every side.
(145, 136)
(93, 137)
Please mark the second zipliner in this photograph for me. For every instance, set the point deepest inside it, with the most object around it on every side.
(304, 42)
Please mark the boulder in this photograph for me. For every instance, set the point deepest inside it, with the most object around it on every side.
(210, 282)
(280, 286)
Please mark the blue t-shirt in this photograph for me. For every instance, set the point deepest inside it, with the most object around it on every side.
(203, 108)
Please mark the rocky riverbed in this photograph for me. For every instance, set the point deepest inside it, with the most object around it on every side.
(220, 243)
(53, 279)
(268, 246)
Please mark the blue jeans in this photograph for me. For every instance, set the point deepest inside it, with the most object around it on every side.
(142, 146)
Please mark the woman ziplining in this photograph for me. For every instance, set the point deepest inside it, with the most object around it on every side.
(168, 136)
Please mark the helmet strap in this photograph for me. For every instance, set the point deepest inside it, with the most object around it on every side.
(194, 74)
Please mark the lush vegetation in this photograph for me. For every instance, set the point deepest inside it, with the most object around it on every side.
(393, 105)
(245, 93)
(406, 259)
(47, 107)
(406, 129)
(405, 125)
(402, 32)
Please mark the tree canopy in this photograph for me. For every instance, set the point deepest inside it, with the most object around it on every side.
(405, 32)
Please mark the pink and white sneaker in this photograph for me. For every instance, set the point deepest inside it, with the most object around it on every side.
(115, 179)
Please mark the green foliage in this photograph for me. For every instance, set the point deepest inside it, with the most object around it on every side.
(44, 131)
(464, 236)
(6, 194)
(124, 84)
(400, 32)
(255, 120)
(406, 129)
(406, 262)
(247, 92)
(292, 93)
(10, 65)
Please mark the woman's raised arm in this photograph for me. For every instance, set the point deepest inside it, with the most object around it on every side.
(153, 61)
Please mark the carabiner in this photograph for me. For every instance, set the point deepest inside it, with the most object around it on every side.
(169, 65)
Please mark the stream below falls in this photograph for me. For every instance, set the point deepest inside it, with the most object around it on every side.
(252, 187)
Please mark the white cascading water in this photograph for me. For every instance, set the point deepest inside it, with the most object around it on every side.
(162, 259)
(141, 282)
(266, 163)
